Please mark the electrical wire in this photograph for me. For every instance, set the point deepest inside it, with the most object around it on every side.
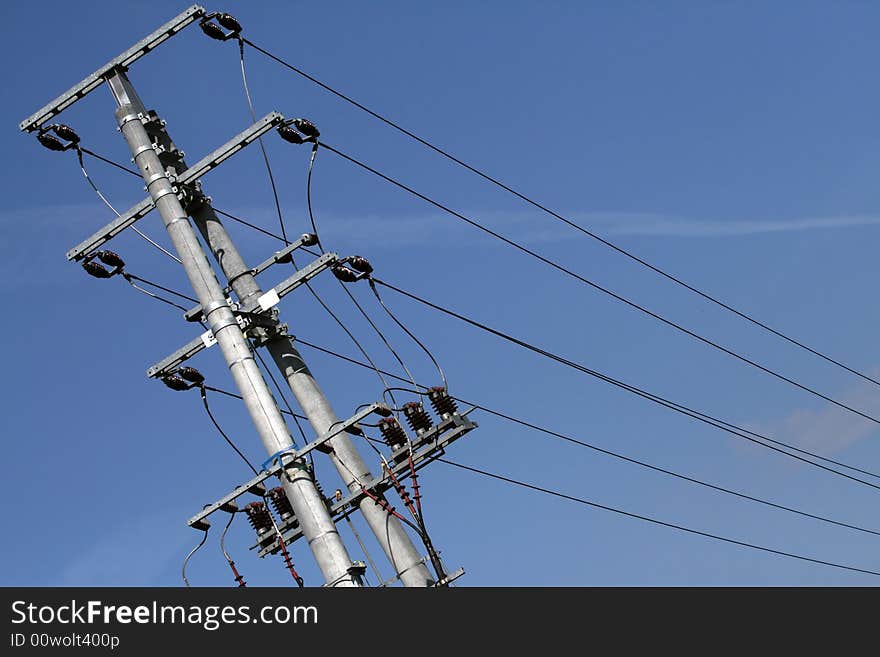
(189, 556)
(82, 166)
(236, 575)
(626, 253)
(756, 435)
(280, 213)
(604, 290)
(675, 406)
(622, 457)
(244, 458)
(655, 521)
(130, 280)
(239, 397)
(250, 103)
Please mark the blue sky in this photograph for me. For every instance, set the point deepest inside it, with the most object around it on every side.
(734, 144)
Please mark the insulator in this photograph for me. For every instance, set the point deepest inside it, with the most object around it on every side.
(416, 416)
(66, 132)
(392, 432)
(280, 502)
(345, 274)
(361, 264)
(175, 382)
(228, 21)
(96, 269)
(308, 239)
(259, 517)
(213, 30)
(192, 375)
(289, 134)
(306, 127)
(51, 142)
(110, 258)
(442, 402)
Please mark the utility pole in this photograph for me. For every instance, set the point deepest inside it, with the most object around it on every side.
(323, 538)
(175, 191)
(388, 530)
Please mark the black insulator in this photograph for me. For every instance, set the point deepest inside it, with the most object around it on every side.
(306, 127)
(175, 382)
(66, 132)
(280, 502)
(345, 274)
(441, 401)
(361, 264)
(192, 375)
(96, 269)
(229, 22)
(213, 30)
(51, 142)
(392, 432)
(289, 134)
(308, 239)
(110, 258)
(416, 416)
(259, 517)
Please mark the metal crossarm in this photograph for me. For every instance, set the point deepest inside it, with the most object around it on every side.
(96, 79)
(427, 447)
(285, 287)
(192, 174)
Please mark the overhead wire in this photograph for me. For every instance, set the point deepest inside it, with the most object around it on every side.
(622, 251)
(144, 236)
(604, 290)
(568, 438)
(280, 214)
(655, 521)
(657, 399)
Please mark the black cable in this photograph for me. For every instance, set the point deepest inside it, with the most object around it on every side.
(248, 224)
(341, 284)
(109, 161)
(680, 408)
(284, 399)
(144, 236)
(604, 290)
(223, 433)
(408, 332)
(663, 523)
(550, 432)
(569, 222)
(250, 103)
(220, 391)
(129, 279)
(161, 287)
(705, 418)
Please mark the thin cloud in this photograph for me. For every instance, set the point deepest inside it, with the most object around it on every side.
(830, 429)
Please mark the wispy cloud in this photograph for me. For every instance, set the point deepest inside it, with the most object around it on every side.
(829, 429)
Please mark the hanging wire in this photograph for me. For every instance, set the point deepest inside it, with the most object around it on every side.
(675, 406)
(82, 166)
(543, 208)
(655, 521)
(236, 575)
(189, 556)
(632, 304)
(204, 395)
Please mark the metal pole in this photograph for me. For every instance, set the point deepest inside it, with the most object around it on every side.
(309, 507)
(389, 531)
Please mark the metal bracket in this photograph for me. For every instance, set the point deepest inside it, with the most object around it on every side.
(271, 298)
(96, 79)
(196, 171)
(427, 447)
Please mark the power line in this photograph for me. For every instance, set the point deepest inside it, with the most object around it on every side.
(655, 521)
(600, 288)
(569, 222)
(581, 443)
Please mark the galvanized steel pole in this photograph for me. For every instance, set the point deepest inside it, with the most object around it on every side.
(318, 527)
(353, 470)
